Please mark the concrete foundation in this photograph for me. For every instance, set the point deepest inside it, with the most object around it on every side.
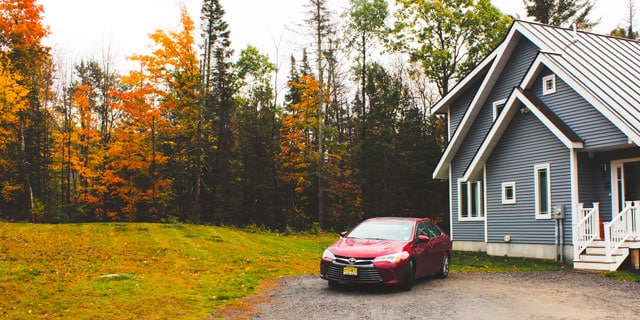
(521, 250)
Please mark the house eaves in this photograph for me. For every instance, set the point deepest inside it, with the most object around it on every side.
(479, 71)
(503, 53)
(525, 102)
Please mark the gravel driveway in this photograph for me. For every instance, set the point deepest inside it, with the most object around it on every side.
(526, 295)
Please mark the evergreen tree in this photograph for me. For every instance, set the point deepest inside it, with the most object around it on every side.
(258, 139)
(219, 107)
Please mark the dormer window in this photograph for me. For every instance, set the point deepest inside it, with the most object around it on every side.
(549, 84)
(498, 106)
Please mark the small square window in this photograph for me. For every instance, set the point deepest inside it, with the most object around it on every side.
(509, 192)
(549, 84)
(498, 106)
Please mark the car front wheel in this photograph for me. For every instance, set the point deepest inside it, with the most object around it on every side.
(409, 272)
(444, 270)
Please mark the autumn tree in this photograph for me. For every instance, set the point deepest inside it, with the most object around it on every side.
(13, 101)
(448, 38)
(29, 62)
(298, 154)
(172, 69)
(132, 187)
(561, 12)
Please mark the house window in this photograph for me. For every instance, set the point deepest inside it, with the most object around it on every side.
(509, 192)
(471, 200)
(542, 181)
(549, 84)
(497, 108)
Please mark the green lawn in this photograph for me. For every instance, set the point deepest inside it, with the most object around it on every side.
(156, 271)
(134, 271)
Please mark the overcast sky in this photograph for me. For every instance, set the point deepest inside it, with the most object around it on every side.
(82, 29)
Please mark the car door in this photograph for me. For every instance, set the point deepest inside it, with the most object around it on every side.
(437, 247)
(422, 251)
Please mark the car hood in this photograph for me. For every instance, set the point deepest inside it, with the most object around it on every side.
(366, 248)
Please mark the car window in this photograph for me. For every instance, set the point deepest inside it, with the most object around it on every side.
(433, 231)
(383, 230)
(423, 229)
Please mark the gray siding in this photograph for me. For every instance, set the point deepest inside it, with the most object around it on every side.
(526, 143)
(459, 106)
(596, 131)
(592, 170)
(513, 73)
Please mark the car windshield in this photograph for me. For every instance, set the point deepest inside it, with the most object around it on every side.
(383, 230)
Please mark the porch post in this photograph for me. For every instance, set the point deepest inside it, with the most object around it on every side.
(575, 197)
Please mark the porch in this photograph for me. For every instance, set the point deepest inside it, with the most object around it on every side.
(605, 246)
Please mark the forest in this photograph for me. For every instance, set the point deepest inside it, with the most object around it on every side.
(199, 133)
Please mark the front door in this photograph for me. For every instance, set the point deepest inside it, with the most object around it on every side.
(625, 182)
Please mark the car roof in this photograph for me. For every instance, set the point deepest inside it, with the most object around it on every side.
(398, 219)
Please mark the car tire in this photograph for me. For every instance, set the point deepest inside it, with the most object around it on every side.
(333, 284)
(444, 269)
(409, 274)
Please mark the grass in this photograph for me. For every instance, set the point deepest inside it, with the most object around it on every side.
(465, 262)
(154, 271)
(140, 271)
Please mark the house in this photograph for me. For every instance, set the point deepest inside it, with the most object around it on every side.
(543, 158)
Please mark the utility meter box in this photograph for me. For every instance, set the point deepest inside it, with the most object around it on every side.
(558, 211)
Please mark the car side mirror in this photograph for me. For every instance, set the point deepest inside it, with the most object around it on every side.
(422, 238)
(343, 234)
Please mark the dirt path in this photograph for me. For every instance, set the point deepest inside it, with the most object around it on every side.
(536, 295)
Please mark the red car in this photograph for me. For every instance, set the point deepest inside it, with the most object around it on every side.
(390, 251)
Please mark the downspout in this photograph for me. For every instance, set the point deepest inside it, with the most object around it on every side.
(561, 223)
(555, 239)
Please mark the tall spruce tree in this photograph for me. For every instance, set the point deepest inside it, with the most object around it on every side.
(320, 22)
(219, 106)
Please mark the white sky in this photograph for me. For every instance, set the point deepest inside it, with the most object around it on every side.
(83, 29)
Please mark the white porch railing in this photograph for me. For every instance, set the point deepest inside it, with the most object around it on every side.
(586, 228)
(624, 226)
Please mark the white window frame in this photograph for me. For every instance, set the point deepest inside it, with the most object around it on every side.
(537, 168)
(551, 79)
(497, 104)
(480, 203)
(505, 199)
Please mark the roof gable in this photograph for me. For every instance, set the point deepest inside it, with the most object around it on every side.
(604, 70)
(521, 101)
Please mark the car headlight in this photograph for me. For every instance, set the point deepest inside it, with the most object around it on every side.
(328, 255)
(395, 258)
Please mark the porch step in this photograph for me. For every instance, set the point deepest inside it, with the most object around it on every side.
(595, 258)
(633, 243)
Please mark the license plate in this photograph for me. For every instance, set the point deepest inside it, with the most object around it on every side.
(348, 271)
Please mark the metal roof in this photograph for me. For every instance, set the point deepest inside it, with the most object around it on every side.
(604, 70)
(608, 67)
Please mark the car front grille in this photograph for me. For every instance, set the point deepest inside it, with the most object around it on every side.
(366, 270)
